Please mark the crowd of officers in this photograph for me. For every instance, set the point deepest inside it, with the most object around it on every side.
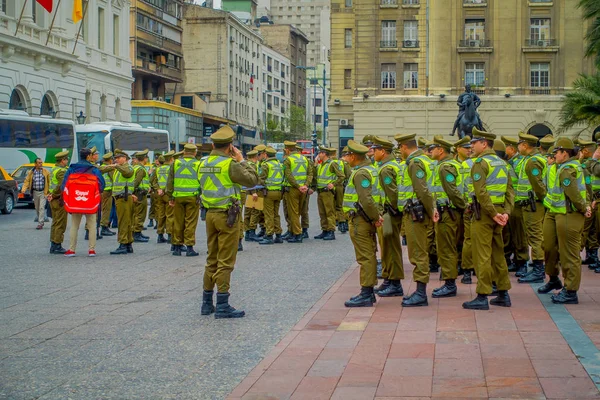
(472, 207)
(475, 207)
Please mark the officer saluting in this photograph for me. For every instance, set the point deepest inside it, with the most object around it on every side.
(221, 176)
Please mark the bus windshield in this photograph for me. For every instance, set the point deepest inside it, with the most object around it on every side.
(129, 140)
(91, 139)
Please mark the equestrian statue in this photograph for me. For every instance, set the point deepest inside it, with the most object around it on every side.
(468, 102)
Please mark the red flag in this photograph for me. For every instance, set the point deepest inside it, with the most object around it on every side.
(47, 4)
(252, 82)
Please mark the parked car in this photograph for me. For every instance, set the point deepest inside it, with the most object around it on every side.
(9, 192)
(20, 174)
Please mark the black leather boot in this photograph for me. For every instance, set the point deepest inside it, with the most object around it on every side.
(394, 289)
(433, 264)
(87, 235)
(418, 298)
(459, 270)
(521, 269)
(207, 303)
(565, 297)
(478, 303)
(137, 237)
(466, 279)
(190, 252)
(262, 232)
(537, 275)
(304, 233)
(379, 269)
(512, 266)
(286, 235)
(161, 238)
(295, 239)
(364, 299)
(503, 299)
(278, 239)
(591, 257)
(320, 235)
(252, 236)
(59, 249)
(553, 284)
(151, 223)
(168, 238)
(240, 245)
(106, 232)
(267, 239)
(177, 251)
(447, 290)
(129, 248)
(144, 236)
(224, 310)
(383, 286)
(52, 247)
(329, 236)
(122, 249)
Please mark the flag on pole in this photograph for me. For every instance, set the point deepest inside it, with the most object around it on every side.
(252, 82)
(47, 4)
(77, 11)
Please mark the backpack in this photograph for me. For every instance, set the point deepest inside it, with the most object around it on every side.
(81, 195)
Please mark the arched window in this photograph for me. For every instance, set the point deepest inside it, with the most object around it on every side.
(17, 102)
(540, 130)
(46, 107)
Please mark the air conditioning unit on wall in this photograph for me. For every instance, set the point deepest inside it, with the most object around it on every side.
(343, 122)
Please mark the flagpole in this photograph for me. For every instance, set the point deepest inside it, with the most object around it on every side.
(80, 26)
(52, 23)
(20, 17)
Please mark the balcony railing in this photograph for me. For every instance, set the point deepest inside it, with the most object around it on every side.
(475, 43)
(388, 44)
(411, 2)
(410, 44)
(477, 2)
(540, 1)
(539, 90)
(162, 69)
(389, 2)
(540, 43)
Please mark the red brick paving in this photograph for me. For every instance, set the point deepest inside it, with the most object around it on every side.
(441, 351)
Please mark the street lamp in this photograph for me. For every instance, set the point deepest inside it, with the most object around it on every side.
(315, 82)
(265, 113)
(314, 134)
(81, 118)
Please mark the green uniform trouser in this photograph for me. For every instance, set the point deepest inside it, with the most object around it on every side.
(140, 209)
(125, 218)
(446, 237)
(242, 212)
(488, 254)
(362, 235)
(432, 251)
(419, 242)
(405, 222)
(517, 235)
(256, 217)
(285, 211)
(295, 203)
(247, 215)
(106, 207)
(59, 222)
(533, 224)
(340, 215)
(222, 250)
(467, 250)
(186, 215)
(326, 203)
(562, 243)
(391, 251)
(304, 214)
(164, 215)
(589, 239)
(271, 212)
(152, 212)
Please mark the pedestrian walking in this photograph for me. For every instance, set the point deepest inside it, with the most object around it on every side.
(37, 183)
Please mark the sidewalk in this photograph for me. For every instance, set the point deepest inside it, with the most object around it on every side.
(440, 351)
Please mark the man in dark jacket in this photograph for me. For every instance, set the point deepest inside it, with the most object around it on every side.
(83, 166)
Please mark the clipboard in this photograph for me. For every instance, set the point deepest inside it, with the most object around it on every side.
(259, 204)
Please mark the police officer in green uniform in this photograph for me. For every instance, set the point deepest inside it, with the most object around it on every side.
(450, 204)
(495, 198)
(251, 214)
(59, 215)
(271, 177)
(141, 186)
(546, 143)
(530, 184)
(423, 214)
(107, 171)
(183, 189)
(590, 232)
(463, 149)
(259, 217)
(342, 223)
(164, 212)
(361, 203)
(329, 176)
(298, 177)
(122, 191)
(563, 224)
(221, 176)
(390, 174)
(304, 217)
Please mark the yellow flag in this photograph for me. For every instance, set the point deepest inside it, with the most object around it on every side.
(77, 11)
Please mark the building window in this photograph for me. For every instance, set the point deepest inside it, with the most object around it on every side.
(101, 28)
(540, 75)
(347, 79)
(475, 74)
(411, 76)
(388, 34)
(475, 29)
(388, 76)
(410, 30)
(348, 3)
(318, 118)
(348, 38)
(34, 11)
(116, 35)
(3, 6)
(540, 29)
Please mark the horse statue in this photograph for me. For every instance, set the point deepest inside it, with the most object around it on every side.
(468, 117)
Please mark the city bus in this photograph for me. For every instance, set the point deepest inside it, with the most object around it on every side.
(24, 138)
(129, 137)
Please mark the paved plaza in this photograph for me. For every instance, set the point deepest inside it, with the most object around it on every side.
(129, 327)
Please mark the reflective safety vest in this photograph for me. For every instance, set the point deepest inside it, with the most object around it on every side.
(350, 194)
(145, 184)
(523, 184)
(218, 190)
(108, 181)
(324, 175)
(186, 180)
(162, 175)
(430, 166)
(555, 200)
(595, 182)
(437, 190)
(299, 168)
(54, 176)
(516, 164)
(274, 179)
(405, 189)
(120, 182)
(496, 181)
(399, 171)
(467, 182)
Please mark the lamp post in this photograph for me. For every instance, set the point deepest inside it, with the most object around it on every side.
(81, 118)
(314, 134)
(315, 82)
(265, 109)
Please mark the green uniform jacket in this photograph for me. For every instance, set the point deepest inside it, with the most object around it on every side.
(171, 179)
(449, 185)
(571, 191)
(391, 188)
(154, 180)
(126, 170)
(241, 173)
(335, 168)
(56, 193)
(481, 192)
(537, 181)
(139, 177)
(365, 198)
(419, 181)
(287, 172)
